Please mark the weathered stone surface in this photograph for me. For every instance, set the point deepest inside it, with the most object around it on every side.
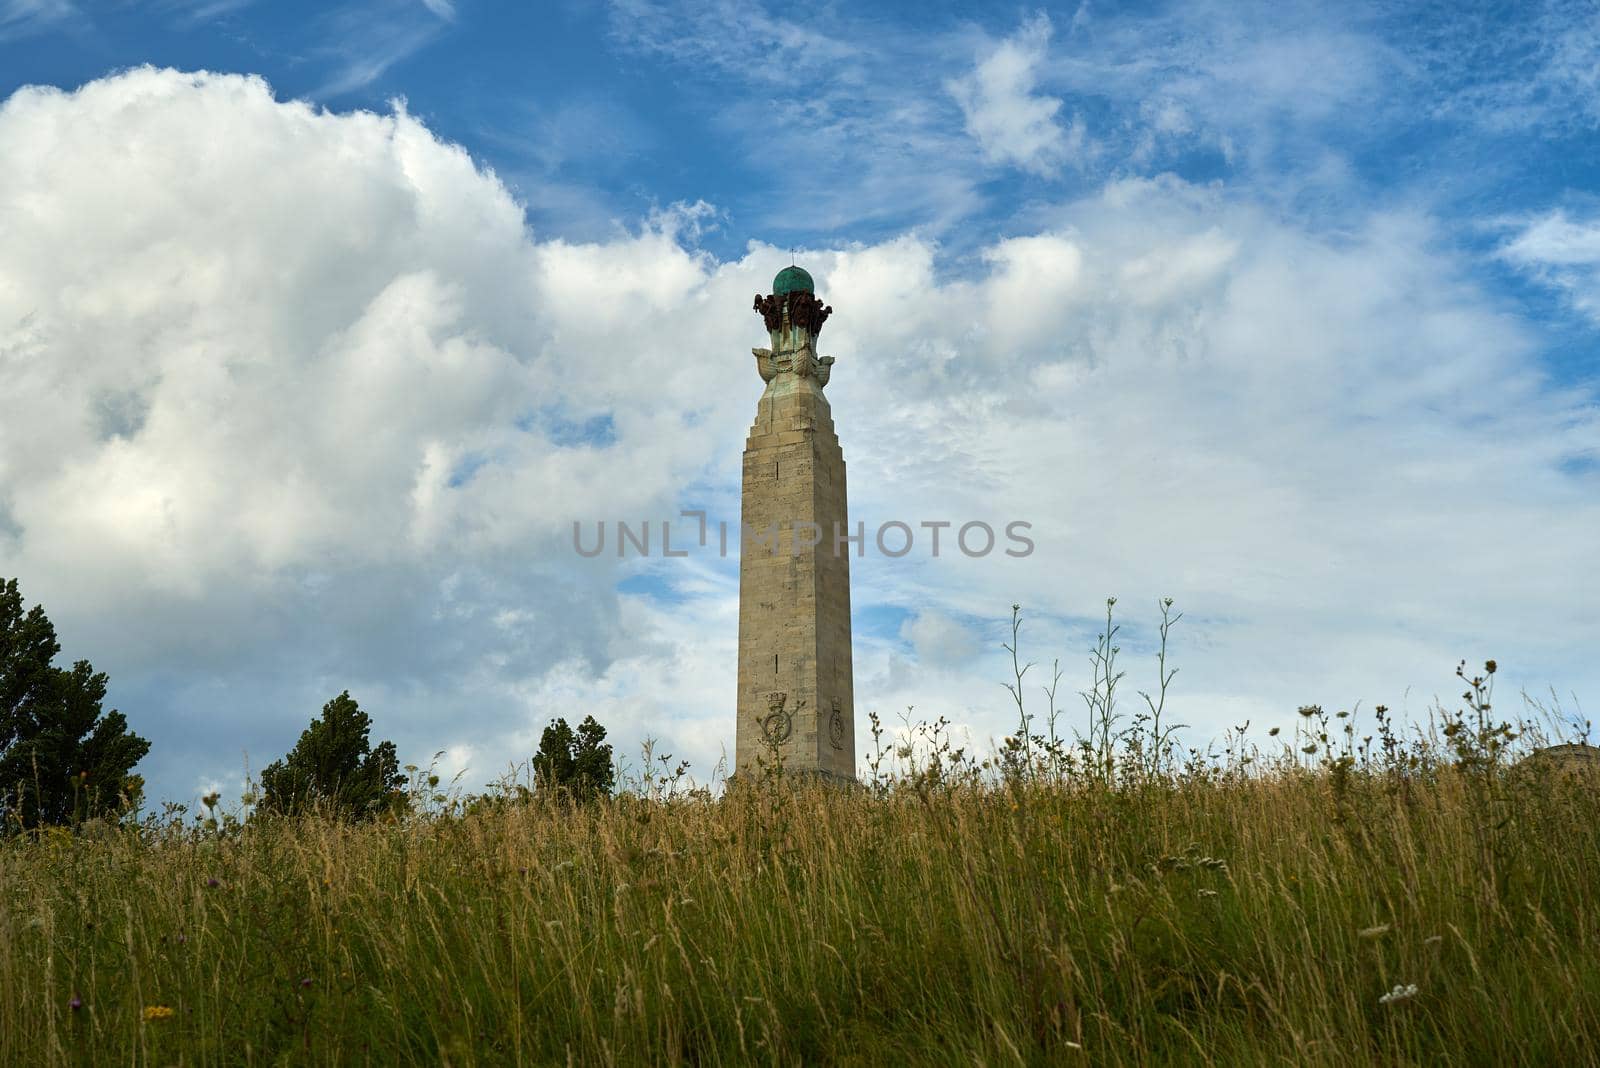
(796, 699)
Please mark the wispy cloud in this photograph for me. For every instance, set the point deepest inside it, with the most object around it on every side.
(1536, 68)
(1012, 123)
(842, 113)
(1313, 107)
(194, 12)
(741, 39)
(1261, 86)
(368, 39)
(20, 18)
(919, 115)
(1564, 253)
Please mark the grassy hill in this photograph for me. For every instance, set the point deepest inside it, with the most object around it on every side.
(1402, 906)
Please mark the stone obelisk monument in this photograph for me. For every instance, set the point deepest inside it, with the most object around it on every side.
(796, 696)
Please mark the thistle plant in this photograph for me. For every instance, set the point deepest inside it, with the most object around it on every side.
(1024, 735)
(1101, 700)
(1160, 744)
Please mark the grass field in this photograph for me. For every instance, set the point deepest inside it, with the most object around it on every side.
(1359, 903)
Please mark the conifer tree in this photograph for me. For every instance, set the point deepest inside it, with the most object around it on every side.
(578, 763)
(62, 759)
(334, 768)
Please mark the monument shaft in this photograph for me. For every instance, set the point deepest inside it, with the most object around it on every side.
(796, 706)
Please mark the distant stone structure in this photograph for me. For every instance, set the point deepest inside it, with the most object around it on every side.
(1566, 758)
(796, 702)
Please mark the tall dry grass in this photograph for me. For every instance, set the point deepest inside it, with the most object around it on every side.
(1416, 912)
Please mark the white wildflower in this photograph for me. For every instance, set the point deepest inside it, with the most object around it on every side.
(1401, 992)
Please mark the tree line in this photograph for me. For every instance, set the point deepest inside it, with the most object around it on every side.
(64, 759)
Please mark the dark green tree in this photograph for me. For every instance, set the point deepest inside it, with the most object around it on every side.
(578, 763)
(333, 768)
(61, 758)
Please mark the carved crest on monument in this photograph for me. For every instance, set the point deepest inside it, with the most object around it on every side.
(778, 724)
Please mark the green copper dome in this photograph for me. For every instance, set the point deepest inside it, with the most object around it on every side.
(790, 279)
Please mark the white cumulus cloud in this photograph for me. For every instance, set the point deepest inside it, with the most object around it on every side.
(291, 393)
(296, 402)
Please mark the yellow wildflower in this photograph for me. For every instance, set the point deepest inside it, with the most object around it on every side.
(157, 1012)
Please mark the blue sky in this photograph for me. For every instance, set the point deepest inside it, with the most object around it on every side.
(1289, 311)
(596, 113)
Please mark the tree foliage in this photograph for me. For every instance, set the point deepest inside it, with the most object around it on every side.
(61, 758)
(577, 762)
(334, 768)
